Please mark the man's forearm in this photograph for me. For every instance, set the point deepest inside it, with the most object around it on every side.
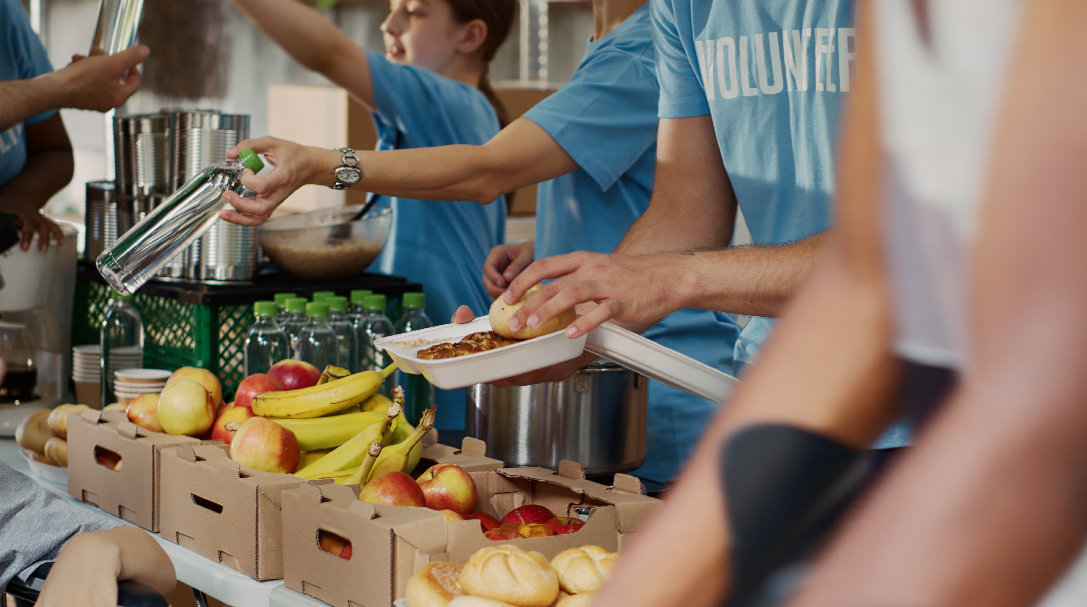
(22, 99)
(45, 174)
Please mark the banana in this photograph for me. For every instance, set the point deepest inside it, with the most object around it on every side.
(351, 453)
(396, 458)
(321, 400)
(329, 432)
(308, 457)
(367, 464)
(331, 373)
(338, 476)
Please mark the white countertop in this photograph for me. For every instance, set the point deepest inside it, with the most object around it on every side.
(214, 579)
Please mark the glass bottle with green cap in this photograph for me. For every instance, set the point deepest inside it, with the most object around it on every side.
(296, 319)
(348, 342)
(178, 221)
(121, 339)
(358, 304)
(418, 393)
(266, 343)
(281, 305)
(319, 296)
(373, 326)
(317, 342)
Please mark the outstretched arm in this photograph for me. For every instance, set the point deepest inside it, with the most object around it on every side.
(521, 154)
(992, 506)
(49, 166)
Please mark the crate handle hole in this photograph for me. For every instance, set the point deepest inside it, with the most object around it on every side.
(334, 544)
(108, 459)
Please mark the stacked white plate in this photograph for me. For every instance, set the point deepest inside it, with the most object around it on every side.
(86, 361)
(131, 383)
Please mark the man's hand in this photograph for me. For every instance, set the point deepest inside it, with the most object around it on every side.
(627, 288)
(31, 222)
(505, 262)
(100, 82)
(291, 171)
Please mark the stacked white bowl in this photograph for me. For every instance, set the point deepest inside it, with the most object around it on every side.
(86, 361)
(131, 383)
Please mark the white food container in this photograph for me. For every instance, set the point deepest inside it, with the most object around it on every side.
(481, 368)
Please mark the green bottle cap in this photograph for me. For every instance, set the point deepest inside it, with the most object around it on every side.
(281, 298)
(114, 294)
(317, 308)
(319, 296)
(265, 308)
(358, 296)
(296, 304)
(375, 302)
(251, 160)
(414, 300)
(337, 304)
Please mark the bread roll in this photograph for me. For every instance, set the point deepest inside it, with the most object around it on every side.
(57, 450)
(507, 573)
(33, 432)
(477, 601)
(583, 599)
(501, 313)
(434, 585)
(58, 419)
(584, 569)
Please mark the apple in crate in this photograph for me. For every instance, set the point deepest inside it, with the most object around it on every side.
(203, 377)
(144, 412)
(228, 422)
(393, 489)
(295, 374)
(530, 513)
(565, 525)
(185, 407)
(254, 385)
(486, 521)
(265, 445)
(448, 487)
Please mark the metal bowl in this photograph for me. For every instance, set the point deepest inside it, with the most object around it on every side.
(323, 244)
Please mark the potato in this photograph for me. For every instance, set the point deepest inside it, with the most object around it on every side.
(501, 313)
(58, 419)
(42, 457)
(57, 450)
(33, 432)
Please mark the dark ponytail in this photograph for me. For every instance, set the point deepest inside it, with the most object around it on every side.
(499, 15)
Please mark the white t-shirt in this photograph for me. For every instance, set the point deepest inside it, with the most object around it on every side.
(939, 100)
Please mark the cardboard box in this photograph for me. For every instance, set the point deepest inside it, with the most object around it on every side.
(472, 456)
(223, 511)
(133, 493)
(390, 543)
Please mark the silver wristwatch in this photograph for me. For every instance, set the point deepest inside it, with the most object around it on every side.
(349, 174)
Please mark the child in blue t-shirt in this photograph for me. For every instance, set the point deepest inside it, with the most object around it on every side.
(430, 88)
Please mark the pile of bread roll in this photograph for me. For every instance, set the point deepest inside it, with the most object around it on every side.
(506, 576)
(44, 434)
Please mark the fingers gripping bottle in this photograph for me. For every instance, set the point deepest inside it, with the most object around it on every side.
(267, 343)
(418, 392)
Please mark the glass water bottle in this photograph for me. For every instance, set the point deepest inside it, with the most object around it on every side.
(346, 338)
(121, 334)
(317, 343)
(266, 343)
(418, 392)
(169, 229)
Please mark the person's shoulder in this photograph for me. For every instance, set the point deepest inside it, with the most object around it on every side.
(389, 73)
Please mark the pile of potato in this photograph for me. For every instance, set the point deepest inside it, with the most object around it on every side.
(44, 434)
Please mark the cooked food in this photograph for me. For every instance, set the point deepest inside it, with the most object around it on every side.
(469, 344)
(501, 313)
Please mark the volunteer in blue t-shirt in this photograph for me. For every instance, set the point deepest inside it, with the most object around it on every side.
(592, 147)
(429, 88)
(35, 154)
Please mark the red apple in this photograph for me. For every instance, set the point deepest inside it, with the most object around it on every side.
(451, 516)
(502, 533)
(228, 422)
(530, 513)
(108, 458)
(393, 489)
(185, 407)
(254, 385)
(564, 525)
(334, 544)
(144, 412)
(535, 530)
(448, 487)
(486, 521)
(265, 445)
(295, 374)
(203, 377)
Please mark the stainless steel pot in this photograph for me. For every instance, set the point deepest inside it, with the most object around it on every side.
(596, 417)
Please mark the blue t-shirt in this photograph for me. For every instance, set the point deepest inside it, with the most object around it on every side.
(22, 56)
(605, 118)
(440, 244)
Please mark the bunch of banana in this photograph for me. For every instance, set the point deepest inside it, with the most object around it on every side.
(331, 431)
(398, 457)
(332, 372)
(363, 472)
(351, 453)
(323, 399)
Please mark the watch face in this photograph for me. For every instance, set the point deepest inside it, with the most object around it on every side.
(348, 174)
